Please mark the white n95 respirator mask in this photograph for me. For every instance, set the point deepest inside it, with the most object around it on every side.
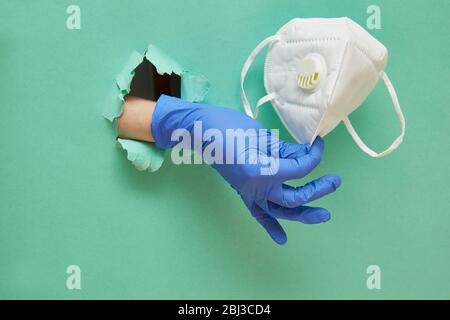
(317, 72)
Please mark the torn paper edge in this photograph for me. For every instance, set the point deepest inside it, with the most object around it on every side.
(194, 88)
(144, 156)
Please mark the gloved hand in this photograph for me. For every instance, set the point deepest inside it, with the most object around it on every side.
(256, 171)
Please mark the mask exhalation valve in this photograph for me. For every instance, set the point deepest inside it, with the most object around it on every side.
(311, 72)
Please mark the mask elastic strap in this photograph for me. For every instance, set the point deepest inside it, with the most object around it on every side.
(400, 116)
(246, 67)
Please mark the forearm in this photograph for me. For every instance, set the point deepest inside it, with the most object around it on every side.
(136, 120)
(152, 121)
(156, 121)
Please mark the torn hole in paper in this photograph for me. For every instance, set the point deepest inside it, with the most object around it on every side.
(149, 75)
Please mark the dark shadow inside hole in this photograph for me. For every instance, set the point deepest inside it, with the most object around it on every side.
(148, 84)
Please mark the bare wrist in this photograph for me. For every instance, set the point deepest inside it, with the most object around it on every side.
(136, 119)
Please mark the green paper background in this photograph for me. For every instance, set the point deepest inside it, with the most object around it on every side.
(69, 196)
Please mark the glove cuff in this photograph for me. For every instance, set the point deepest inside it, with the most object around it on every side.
(170, 114)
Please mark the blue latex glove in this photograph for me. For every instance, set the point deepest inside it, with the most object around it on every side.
(266, 196)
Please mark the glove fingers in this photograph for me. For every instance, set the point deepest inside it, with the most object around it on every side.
(291, 197)
(298, 167)
(304, 214)
(293, 150)
(272, 226)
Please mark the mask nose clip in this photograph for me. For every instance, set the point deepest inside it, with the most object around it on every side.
(311, 72)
